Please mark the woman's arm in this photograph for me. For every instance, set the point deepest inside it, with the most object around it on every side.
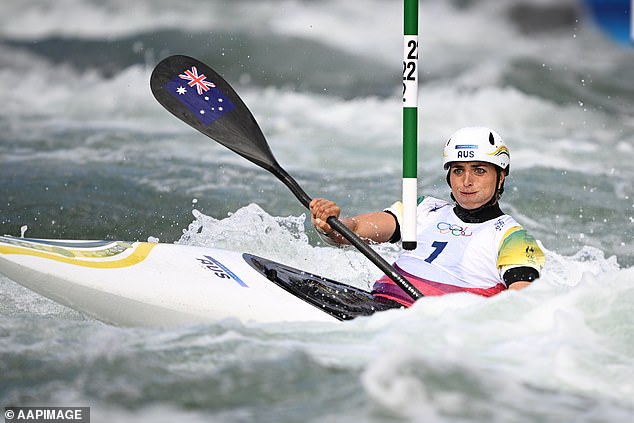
(374, 226)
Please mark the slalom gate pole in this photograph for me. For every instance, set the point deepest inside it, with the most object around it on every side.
(410, 123)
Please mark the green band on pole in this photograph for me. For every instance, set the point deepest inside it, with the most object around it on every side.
(410, 129)
(411, 17)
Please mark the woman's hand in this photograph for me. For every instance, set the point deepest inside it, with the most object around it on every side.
(320, 210)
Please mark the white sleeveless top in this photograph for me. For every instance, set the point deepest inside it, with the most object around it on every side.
(466, 255)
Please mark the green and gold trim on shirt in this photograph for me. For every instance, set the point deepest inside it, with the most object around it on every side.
(519, 248)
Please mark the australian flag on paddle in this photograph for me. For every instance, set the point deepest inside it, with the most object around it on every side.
(200, 96)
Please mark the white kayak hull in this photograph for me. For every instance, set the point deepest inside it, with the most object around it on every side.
(150, 283)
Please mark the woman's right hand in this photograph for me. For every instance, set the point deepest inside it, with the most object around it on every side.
(320, 210)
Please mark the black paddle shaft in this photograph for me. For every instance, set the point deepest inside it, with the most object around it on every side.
(200, 97)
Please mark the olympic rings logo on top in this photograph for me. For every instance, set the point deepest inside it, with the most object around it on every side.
(455, 230)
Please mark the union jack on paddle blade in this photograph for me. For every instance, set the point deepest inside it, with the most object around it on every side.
(200, 96)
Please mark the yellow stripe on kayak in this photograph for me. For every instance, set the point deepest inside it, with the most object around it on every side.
(140, 253)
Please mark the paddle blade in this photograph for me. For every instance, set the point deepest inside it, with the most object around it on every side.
(200, 97)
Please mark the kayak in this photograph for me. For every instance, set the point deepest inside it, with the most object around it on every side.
(158, 284)
(141, 283)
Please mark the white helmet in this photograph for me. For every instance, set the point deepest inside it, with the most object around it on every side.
(477, 144)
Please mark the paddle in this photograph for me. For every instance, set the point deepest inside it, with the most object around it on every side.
(200, 97)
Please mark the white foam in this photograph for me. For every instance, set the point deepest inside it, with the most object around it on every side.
(554, 337)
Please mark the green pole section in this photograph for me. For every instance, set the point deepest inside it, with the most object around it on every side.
(410, 139)
(410, 122)
(411, 17)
